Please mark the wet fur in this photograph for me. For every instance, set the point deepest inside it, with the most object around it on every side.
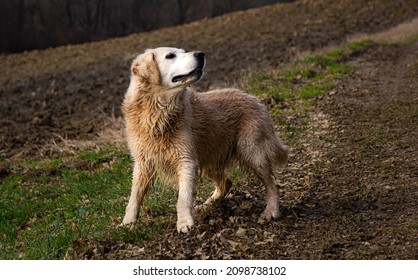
(177, 133)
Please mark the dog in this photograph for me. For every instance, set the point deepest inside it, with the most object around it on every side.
(177, 133)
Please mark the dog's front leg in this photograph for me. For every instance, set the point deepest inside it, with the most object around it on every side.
(142, 178)
(187, 191)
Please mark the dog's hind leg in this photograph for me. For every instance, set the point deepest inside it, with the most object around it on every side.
(272, 208)
(142, 179)
(258, 159)
(222, 186)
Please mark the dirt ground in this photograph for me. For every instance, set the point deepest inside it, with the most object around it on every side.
(350, 192)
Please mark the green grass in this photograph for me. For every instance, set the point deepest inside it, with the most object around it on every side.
(55, 208)
(296, 87)
(44, 216)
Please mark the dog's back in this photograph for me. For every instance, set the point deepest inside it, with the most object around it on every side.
(230, 124)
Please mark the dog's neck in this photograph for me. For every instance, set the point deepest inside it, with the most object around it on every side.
(154, 110)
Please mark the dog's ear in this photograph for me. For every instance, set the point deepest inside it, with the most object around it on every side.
(145, 67)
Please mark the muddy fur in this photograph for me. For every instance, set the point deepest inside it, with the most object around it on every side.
(177, 133)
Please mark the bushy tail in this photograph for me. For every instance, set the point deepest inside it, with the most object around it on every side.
(281, 152)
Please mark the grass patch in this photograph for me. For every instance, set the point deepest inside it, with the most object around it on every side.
(296, 87)
(55, 216)
(411, 39)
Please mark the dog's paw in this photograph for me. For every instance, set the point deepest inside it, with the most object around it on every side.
(130, 218)
(127, 226)
(268, 215)
(184, 225)
(202, 207)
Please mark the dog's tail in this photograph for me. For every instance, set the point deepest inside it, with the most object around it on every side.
(281, 153)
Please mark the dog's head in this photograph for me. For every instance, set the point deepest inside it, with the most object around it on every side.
(169, 67)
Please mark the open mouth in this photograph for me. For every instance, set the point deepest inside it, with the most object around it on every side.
(195, 73)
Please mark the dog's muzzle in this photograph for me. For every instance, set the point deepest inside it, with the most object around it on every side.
(197, 72)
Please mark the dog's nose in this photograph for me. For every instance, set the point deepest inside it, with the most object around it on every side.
(199, 54)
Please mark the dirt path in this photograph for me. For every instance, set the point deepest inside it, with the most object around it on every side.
(365, 188)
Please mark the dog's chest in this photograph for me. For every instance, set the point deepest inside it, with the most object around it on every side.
(162, 149)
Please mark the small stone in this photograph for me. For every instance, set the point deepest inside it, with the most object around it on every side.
(240, 232)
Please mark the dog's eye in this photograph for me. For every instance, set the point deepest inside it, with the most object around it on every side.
(170, 56)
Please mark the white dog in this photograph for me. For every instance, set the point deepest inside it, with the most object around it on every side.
(174, 132)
